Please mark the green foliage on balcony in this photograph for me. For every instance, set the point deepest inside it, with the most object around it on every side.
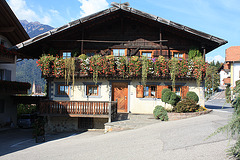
(124, 67)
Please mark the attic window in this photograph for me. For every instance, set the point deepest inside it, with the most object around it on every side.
(66, 54)
(178, 55)
(118, 52)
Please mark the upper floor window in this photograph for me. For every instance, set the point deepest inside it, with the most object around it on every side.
(178, 55)
(147, 53)
(66, 54)
(118, 52)
(5, 74)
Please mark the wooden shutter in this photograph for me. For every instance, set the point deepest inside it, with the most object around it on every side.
(159, 90)
(185, 89)
(139, 91)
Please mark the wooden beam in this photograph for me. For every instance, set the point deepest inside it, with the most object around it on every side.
(82, 41)
(204, 54)
(7, 29)
(160, 38)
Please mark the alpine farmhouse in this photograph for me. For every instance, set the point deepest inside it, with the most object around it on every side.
(116, 60)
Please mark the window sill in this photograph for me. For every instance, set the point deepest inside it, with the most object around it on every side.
(61, 95)
(150, 99)
(92, 96)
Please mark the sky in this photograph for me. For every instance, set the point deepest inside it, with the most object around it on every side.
(219, 18)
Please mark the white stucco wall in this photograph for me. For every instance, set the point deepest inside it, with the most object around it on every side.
(6, 66)
(235, 75)
(223, 75)
(147, 105)
(79, 91)
(9, 114)
(135, 105)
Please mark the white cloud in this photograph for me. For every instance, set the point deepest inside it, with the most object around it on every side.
(53, 11)
(91, 6)
(216, 58)
(22, 11)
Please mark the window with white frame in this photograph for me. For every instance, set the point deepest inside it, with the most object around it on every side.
(118, 52)
(147, 54)
(66, 54)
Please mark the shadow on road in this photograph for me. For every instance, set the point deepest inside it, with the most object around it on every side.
(13, 140)
(215, 107)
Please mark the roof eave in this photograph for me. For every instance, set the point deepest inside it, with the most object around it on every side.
(217, 40)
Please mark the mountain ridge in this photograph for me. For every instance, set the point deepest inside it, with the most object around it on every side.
(35, 28)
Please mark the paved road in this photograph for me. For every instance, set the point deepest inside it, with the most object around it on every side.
(218, 103)
(178, 140)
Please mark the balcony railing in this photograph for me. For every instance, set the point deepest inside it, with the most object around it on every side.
(125, 67)
(98, 109)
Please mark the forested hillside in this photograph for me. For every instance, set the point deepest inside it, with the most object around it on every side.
(27, 70)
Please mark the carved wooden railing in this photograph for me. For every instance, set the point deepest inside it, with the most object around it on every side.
(101, 109)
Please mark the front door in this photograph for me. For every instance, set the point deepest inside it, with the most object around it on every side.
(120, 94)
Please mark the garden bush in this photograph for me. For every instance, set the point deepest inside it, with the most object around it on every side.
(165, 90)
(160, 113)
(193, 96)
(171, 98)
(228, 94)
(174, 99)
(166, 96)
(186, 105)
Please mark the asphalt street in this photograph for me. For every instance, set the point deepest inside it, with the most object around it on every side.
(183, 139)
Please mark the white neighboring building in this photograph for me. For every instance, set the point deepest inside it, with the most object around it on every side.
(224, 73)
(233, 62)
(11, 33)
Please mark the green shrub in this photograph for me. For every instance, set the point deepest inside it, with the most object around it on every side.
(174, 99)
(166, 96)
(160, 113)
(193, 96)
(171, 98)
(228, 94)
(25, 109)
(165, 90)
(186, 105)
(83, 56)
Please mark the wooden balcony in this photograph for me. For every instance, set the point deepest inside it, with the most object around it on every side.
(13, 87)
(97, 109)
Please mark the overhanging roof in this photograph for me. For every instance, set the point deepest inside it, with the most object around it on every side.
(10, 27)
(131, 10)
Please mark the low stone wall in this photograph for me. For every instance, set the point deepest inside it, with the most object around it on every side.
(61, 124)
(177, 116)
(67, 124)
